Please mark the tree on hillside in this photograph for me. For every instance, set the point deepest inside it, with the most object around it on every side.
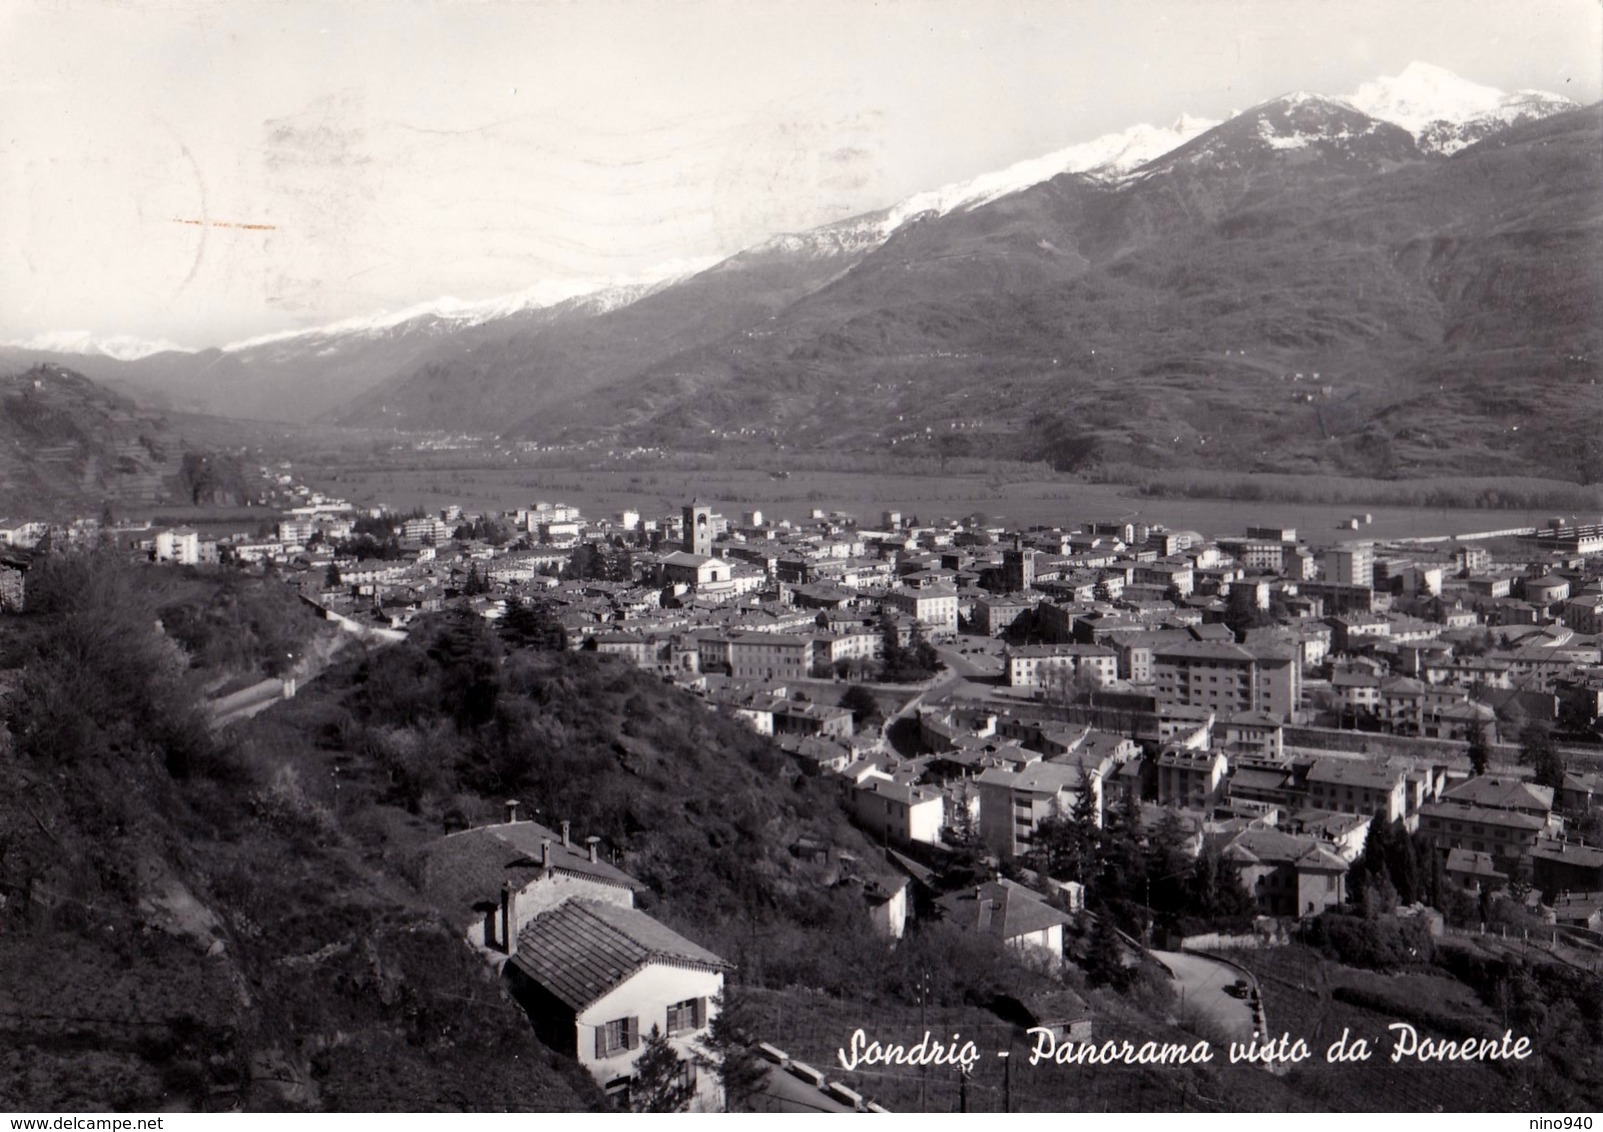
(1519, 880)
(1242, 612)
(1369, 870)
(920, 656)
(1058, 848)
(587, 563)
(1120, 873)
(967, 863)
(890, 645)
(1480, 752)
(531, 625)
(661, 1082)
(621, 567)
(861, 703)
(379, 528)
(726, 1051)
(1402, 864)
(331, 577)
(469, 659)
(916, 661)
(1214, 888)
(1538, 752)
(1062, 441)
(1104, 961)
(105, 680)
(1168, 865)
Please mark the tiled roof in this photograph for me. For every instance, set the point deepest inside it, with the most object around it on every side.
(1001, 908)
(583, 949)
(1039, 778)
(1402, 686)
(1511, 819)
(1502, 794)
(1274, 847)
(1327, 824)
(1203, 650)
(1570, 853)
(685, 558)
(1321, 860)
(905, 793)
(1354, 772)
(1469, 862)
(1257, 778)
(1034, 651)
(1101, 743)
(468, 868)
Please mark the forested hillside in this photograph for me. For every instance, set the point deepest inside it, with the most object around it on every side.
(186, 925)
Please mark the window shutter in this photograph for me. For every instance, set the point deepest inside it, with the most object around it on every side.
(601, 1040)
(701, 1012)
(632, 1032)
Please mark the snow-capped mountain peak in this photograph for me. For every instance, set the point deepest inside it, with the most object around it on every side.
(597, 296)
(1445, 112)
(593, 296)
(1422, 94)
(122, 347)
(1108, 158)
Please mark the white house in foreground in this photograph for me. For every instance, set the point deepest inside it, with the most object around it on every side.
(593, 972)
(595, 977)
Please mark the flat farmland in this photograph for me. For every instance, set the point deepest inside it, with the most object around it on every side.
(435, 481)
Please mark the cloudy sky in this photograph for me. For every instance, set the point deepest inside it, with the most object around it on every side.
(206, 170)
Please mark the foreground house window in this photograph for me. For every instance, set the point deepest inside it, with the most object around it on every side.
(688, 1015)
(617, 1036)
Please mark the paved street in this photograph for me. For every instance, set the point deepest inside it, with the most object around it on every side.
(1205, 981)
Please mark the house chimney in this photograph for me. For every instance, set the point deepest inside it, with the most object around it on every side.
(592, 841)
(545, 852)
(565, 840)
(509, 918)
(512, 811)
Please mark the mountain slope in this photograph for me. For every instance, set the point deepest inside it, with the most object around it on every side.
(503, 373)
(1198, 304)
(467, 366)
(302, 375)
(936, 280)
(199, 930)
(67, 443)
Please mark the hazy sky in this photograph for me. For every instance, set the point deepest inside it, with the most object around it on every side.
(204, 171)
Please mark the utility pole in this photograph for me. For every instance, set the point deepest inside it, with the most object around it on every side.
(923, 1024)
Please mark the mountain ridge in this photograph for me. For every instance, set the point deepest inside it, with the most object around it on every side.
(1384, 265)
(909, 281)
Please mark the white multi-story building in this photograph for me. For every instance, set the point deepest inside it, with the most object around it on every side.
(934, 605)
